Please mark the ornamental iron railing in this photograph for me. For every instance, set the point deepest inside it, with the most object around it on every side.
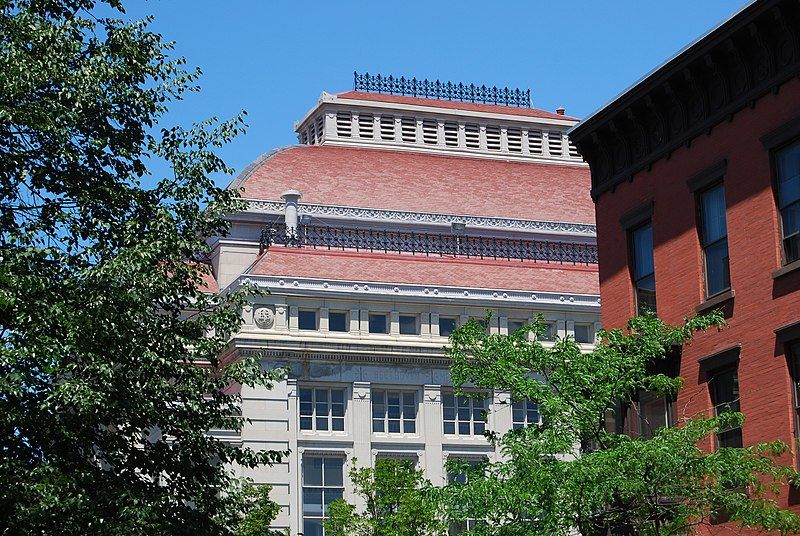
(429, 244)
(411, 87)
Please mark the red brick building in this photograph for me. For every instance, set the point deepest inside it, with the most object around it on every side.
(696, 180)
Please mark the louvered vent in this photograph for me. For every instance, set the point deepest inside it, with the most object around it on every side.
(320, 127)
(472, 136)
(493, 138)
(366, 125)
(554, 143)
(387, 127)
(408, 128)
(451, 134)
(312, 134)
(344, 124)
(430, 134)
(304, 137)
(514, 140)
(535, 141)
(573, 151)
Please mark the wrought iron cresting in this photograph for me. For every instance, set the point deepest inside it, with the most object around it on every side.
(428, 244)
(411, 87)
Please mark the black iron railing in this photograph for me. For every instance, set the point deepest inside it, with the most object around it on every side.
(429, 244)
(411, 87)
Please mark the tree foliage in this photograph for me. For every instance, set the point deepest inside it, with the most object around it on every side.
(571, 473)
(395, 503)
(261, 511)
(110, 350)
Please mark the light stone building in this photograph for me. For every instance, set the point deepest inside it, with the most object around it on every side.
(394, 220)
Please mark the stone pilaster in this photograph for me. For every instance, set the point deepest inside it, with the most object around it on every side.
(432, 422)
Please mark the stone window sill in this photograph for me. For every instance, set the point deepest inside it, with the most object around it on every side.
(789, 268)
(714, 301)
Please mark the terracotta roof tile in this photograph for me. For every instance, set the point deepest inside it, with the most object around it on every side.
(438, 271)
(456, 105)
(417, 182)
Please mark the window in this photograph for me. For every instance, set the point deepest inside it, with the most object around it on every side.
(493, 138)
(462, 477)
(514, 137)
(724, 386)
(463, 415)
(583, 333)
(321, 409)
(447, 325)
(344, 124)
(787, 164)
(714, 240)
(472, 136)
(323, 483)
(451, 134)
(515, 325)
(524, 413)
(408, 129)
(409, 325)
(337, 321)
(644, 279)
(306, 319)
(377, 323)
(655, 411)
(394, 412)
(793, 354)
(549, 332)
(387, 127)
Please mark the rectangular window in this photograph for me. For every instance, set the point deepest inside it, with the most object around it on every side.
(787, 164)
(644, 279)
(394, 412)
(409, 325)
(515, 325)
(378, 323)
(714, 240)
(584, 333)
(463, 415)
(525, 413)
(447, 325)
(724, 386)
(794, 363)
(307, 319)
(337, 321)
(549, 332)
(322, 409)
(323, 483)
(462, 477)
(655, 411)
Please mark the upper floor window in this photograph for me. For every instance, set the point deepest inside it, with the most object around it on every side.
(337, 321)
(394, 412)
(655, 411)
(584, 333)
(447, 325)
(787, 164)
(515, 325)
(322, 409)
(794, 363)
(714, 240)
(323, 483)
(525, 413)
(463, 415)
(409, 325)
(550, 332)
(644, 279)
(307, 319)
(724, 386)
(378, 323)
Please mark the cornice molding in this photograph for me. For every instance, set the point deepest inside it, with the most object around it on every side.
(374, 356)
(371, 214)
(398, 291)
(753, 53)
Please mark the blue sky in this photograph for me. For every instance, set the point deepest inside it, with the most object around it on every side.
(274, 58)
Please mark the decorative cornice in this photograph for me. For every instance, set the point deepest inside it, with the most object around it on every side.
(372, 357)
(371, 214)
(465, 295)
(753, 53)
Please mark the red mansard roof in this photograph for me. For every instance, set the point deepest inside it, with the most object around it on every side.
(434, 271)
(456, 105)
(417, 182)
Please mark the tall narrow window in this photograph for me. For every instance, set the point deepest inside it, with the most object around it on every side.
(461, 475)
(714, 240)
(322, 409)
(323, 483)
(644, 279)
(787, 164)
(794, 364)
(655, 411)
(724, 386)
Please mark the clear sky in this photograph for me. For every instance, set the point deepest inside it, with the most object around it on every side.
(274, 58)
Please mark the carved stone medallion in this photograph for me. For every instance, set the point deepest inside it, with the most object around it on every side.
(264, 317)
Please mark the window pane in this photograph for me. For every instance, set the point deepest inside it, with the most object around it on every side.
(448, 400)
(312, 501)
(305, 423)
(306, 408)
(717, 269)
(337, 396)
(463, 428)
(377, 323)
(787, 163)
(305, 395)
(321, 395)
(790, 217)
(726, 391)
(408, 325)
(582, 333)
(643, 251)
(394, 426)
(333, 472)
(449, 427)
(449, 413)
(337, 321)
(312, 471)
(712, 209)
(337, 410)
(409, 427)
(515, 325)
(330, 496)
(377, 425)
(479, 428)
(549, 332)
(447, 325)
(338, 424)
(312, 527)
(307, 319)
(322, 423)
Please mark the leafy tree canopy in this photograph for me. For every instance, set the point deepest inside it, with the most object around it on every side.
(110, 349)
(570, 473)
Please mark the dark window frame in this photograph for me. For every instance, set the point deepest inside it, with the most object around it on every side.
(787, 256)
(639, 305)
(346, 321)
(731, 436)
(448, 318)
(793, 358)
(414, 317)
(706, 245)
(301, 312)
(386, 323)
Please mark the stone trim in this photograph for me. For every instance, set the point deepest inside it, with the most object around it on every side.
(371, 214)
(708, 176)
(784, 133)
(361, 357)
(723, 358)
(788, 332)
(637, 216)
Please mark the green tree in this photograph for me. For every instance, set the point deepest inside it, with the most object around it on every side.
(261, 512)
(112, 355)
(396, 503)
(570, 473)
